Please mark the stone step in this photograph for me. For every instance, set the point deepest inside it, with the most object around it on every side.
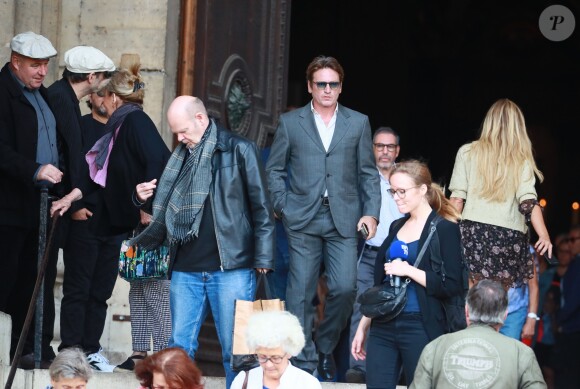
(34, 379)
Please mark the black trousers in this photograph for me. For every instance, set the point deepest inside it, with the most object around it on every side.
(17, 280)
(91, 268)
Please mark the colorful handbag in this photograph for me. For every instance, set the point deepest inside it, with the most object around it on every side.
(136, 264)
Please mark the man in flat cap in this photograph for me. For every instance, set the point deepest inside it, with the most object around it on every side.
(86, 68)
(30, 157)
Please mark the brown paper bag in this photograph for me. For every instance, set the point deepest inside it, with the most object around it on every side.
(242, 357)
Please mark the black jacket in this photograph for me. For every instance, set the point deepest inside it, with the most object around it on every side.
(138, 155)
(66, 110)
(244, 217)
(438, 287)
(19, 198)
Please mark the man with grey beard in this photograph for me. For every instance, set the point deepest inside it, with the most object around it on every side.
(86, 285)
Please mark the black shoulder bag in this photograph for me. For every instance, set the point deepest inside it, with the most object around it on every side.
(384, 302)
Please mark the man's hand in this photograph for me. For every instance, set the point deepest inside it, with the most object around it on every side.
(145, 218)
(49, 173)
(62, 205)
(145, 190)
(262, 270)
(81, 215)
(371, 225)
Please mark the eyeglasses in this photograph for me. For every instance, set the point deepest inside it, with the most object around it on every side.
(381, 146)
(322, 85)
(276, 359)
(401, 192)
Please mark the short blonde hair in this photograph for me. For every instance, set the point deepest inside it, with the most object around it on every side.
(272, 329)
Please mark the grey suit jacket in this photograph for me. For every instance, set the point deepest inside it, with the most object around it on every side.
(347, 170)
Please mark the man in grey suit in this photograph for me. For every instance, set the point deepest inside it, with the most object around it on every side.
(332, 193)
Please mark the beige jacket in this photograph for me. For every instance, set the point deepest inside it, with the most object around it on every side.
(465, 183)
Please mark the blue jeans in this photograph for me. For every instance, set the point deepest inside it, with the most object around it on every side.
(514, 323)
(191, 294)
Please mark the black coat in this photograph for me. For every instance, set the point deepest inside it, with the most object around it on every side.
(437, 287)
(19, 198)
(66, 110)
(138, 155)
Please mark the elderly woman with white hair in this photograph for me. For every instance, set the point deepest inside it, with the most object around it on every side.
(275, 337)
(70, 369)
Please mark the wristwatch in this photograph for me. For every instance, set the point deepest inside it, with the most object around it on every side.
(532, 315)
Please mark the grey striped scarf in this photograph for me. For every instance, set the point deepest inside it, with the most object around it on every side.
(181, 194)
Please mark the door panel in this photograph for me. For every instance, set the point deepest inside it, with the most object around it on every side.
(240, 63)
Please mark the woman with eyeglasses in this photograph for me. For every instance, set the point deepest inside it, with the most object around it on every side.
(493, 186)
(275, 337)
(400, 341)
(170, 368)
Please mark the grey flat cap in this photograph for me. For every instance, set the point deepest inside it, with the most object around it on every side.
(87, 59)
(32, 45)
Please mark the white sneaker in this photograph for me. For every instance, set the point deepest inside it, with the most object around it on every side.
(99, 363)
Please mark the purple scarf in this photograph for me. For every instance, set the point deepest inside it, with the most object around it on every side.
(98, 155)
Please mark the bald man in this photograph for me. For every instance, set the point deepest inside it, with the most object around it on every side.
(220, 223)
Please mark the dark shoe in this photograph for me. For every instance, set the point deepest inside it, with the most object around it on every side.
(129, 364)
(26, 362)
(326, 368)
(355, 376)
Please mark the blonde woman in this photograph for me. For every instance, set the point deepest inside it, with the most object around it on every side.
(399, 342)
(493, 185)
(130, 152)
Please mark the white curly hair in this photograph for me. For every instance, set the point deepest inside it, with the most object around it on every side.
(272, 329)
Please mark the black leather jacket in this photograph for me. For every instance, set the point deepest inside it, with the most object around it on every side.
(243, 215)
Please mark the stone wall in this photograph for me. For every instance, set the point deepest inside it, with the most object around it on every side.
(148, 28)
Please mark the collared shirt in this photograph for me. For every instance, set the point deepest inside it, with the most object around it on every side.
(326, 132)
(389, 213)
(46, 150)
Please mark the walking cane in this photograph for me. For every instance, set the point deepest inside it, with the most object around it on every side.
(44, 255)
(39, 316)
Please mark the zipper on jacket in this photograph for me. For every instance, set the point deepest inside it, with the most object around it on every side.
(215, 226)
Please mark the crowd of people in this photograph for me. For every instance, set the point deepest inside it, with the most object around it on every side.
(328, 186)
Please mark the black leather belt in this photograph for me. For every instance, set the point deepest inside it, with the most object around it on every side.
(372, 248)
(325, 201)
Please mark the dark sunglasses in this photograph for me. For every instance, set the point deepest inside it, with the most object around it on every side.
(322, 84)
